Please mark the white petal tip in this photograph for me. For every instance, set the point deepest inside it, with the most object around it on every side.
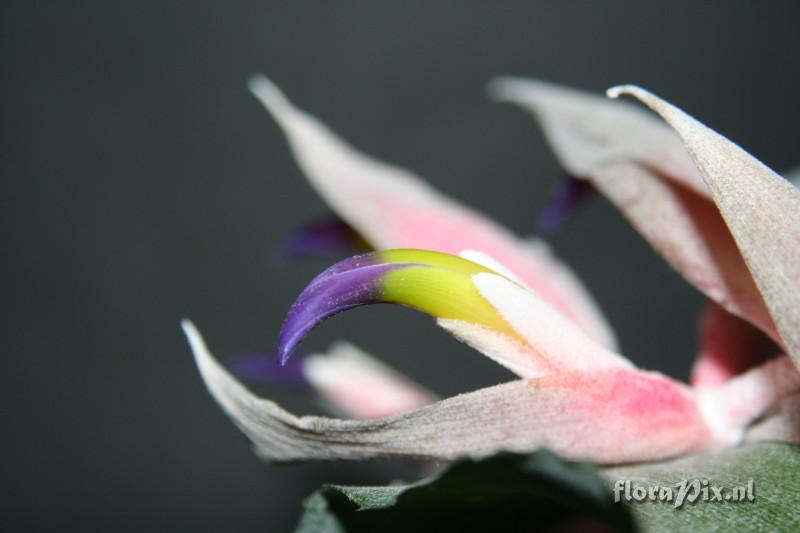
(342, 359)
(340, 364)
(318, 371)
(268, 93)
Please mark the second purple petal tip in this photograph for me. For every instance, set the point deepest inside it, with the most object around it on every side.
(567, 195)
(265, 368)
(324, 237)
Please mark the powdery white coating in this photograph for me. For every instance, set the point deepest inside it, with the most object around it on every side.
(590, 132)
(641, 165)
(761, 209)
(511, 353)
(393, 208)
(546, 331)
(361, 386)
(687, 230)
(558, 276)
(613, 415)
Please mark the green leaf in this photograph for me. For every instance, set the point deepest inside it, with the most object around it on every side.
(503, 492)
(541, 491)
(774, 469)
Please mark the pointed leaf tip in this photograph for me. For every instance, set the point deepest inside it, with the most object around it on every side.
(196, 343)
(192, 335)
(615, 91)
(498, 88)
(268, 93)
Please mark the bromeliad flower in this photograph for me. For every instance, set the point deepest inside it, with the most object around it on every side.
(722, 219)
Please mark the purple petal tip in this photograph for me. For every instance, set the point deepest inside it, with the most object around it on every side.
(350, 283)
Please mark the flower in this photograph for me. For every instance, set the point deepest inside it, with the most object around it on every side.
(717, 215)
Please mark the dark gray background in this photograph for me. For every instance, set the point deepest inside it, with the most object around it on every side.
(142, 183)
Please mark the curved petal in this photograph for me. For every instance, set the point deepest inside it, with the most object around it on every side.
(761, 209)
(509, 324)
(611, 416)
(361, 386)
(643, 168)
(432, 282)
(393, 208)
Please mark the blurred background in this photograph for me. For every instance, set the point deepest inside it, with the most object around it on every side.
(142, 183)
